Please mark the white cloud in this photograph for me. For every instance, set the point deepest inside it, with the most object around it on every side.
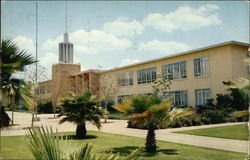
(184, 18)
(25, 43)
(129, 61)
(47, 60)
(163, 47)
(123, 27)
(93, 42)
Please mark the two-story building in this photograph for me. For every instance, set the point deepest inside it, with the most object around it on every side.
(196, 75)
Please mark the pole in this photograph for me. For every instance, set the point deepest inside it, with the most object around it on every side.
(66, 17)
(36, 52)
(1, 93)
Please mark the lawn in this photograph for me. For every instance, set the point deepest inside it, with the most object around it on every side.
(15, 148)
(239, 132)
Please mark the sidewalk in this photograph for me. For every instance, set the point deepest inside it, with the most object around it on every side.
(119, 127)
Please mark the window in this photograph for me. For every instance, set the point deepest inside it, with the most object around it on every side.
(179, 97)
(248, 55)
(121, 98)
(174, 70)
(201, 66)
(201, 96)
(146, 75)
(125, 79)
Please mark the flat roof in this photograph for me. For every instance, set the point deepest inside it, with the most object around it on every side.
(179, 54)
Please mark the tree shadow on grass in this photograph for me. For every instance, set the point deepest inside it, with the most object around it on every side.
(73, 137)
(128, 149)
(164, 151)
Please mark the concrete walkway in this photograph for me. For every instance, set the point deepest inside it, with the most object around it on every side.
(120, 127)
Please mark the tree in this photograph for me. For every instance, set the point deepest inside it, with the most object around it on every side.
(29, 73)
(108, 88)
(151, 111)
(79, 109)
(13, 60)
(161, 84)
(44, 144)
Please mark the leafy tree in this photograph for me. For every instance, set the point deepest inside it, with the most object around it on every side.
(161, 84)
(29, 73)
(13, 60)
(152, 111)
(44, 144)
(79, 109)
(108, 89)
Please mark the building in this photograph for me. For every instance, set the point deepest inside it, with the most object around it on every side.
(196, 75)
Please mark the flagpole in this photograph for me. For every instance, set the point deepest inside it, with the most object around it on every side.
(36, 53)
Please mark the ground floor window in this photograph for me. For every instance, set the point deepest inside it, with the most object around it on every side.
(121, 98)
(179, 97)
(201, 96)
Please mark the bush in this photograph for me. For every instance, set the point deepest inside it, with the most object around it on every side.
(191, 120)
(240, 99)
(117, 116)
(46, 108)
(217, 116)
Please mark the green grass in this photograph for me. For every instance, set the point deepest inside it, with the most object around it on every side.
(15, 148)
(239, 132)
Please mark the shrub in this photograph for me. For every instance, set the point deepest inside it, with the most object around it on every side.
(117, 116)
(45, 107)
(191, 120)
(215, 116)
(240, 99)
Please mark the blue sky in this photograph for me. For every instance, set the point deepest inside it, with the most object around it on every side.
(112, 34)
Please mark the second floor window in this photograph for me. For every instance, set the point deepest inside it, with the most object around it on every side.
(146, 75)
(201, 66)
(125, 79)
(174, 70)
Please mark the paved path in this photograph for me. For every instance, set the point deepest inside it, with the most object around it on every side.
(120, 127)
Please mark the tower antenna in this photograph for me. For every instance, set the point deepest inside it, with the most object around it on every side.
(66, 17)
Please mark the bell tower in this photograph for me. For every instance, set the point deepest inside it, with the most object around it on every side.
(66, 48)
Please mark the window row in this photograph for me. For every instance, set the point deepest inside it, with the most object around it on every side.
(180, 98)
(172, 71)
(43, 89)
(125, 79)
(146, 75)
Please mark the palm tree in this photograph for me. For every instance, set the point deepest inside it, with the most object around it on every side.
(13, 60)
(44, 144)
(151, 111)
(79, 109)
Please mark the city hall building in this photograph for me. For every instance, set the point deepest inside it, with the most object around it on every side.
(196, 75)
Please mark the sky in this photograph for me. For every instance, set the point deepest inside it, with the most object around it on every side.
(117, 33)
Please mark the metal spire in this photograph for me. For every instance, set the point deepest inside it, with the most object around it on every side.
(66, 17)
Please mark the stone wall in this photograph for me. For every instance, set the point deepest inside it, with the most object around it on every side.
(62, 80)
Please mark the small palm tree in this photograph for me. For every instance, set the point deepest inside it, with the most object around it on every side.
(152, 111)
(79, 109)
(44, 144)
(12, 61)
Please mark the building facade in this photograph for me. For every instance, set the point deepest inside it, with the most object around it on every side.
(196, 76)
